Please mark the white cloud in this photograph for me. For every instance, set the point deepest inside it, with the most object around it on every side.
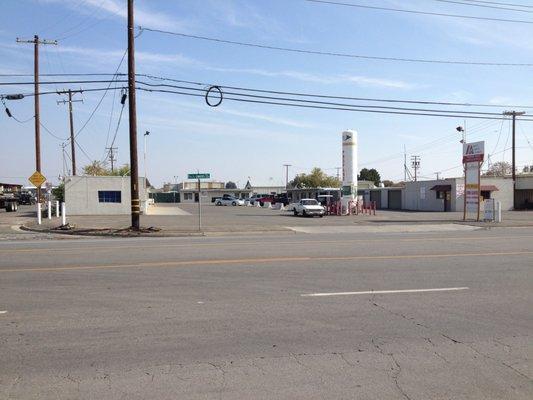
(322, 79)
(143, 15)
(158, 100)
(113, 56)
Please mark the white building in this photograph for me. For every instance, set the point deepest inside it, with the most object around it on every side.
(101, 195)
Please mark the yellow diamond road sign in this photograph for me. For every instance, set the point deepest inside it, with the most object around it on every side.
(37, 179)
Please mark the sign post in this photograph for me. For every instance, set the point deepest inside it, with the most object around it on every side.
(199, 176)
(473, 155)
(37, 179)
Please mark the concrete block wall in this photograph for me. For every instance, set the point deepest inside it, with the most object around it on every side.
(81, 195)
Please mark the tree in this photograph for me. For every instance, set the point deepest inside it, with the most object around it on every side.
(388, 183)
(97, 168)
(500, 168)
(371, 175)
(317, 178)
(231, 185)
(59, 192)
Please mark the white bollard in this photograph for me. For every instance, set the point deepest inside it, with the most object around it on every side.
(39, 217)
(63, 214)
(267, 204)
(57, 209)
(49, 209)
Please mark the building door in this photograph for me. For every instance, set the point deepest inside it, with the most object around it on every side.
(395, 199)
(196, 197)
(447, 200)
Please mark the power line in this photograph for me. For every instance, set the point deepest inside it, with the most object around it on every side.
(52, 134)
(61, 82)
(500, 3)
(83, 151)
(101, 98)
(324, 107)
(63, 74)
(436, 14)
(483, 6)
(203, 85)
(7, 95)
(255, 96)
(337, 54)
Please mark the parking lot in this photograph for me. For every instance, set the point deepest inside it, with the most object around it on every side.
(183, 218)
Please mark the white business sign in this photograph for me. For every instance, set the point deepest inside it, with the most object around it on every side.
(473, 152)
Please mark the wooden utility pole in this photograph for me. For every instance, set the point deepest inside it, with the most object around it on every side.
(72, 139)
(112, 158)
(134, 167)
(415, 162)
(513, 172)
(36, 42)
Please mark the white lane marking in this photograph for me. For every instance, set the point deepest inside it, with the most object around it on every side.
(3, 312)
(384, 292)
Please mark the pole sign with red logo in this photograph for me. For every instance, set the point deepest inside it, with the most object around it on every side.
(473, 152)
(473, 155)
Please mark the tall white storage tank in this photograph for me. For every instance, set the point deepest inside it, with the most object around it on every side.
(349, 167)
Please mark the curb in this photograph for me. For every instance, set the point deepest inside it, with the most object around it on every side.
(123, 234)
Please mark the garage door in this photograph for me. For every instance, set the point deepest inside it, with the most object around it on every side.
(395, 199)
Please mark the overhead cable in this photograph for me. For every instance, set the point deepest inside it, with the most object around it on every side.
(435, 14)
(338, 54)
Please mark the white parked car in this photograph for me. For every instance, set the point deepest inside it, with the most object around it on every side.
(309, 208)
(229, 201)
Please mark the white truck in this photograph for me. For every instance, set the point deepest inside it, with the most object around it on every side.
(309, 208)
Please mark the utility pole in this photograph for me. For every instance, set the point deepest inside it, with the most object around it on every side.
(287, 174)
(514, 114)
(437, 173)
(71, 121)
(147, 133)
(134, 167)
(415, 162)
(112, 156)
(404, 164)
(63, 145)
(36, 42)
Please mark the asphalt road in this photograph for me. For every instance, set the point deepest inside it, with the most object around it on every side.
(269, 317)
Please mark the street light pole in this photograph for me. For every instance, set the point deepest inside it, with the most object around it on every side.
(147, 133)
(176, 186)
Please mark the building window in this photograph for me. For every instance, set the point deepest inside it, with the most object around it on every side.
(187, 196)
(109, 196)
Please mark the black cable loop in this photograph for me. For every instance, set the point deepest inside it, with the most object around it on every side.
(208, 91)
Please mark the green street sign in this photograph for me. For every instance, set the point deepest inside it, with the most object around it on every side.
(199, 176)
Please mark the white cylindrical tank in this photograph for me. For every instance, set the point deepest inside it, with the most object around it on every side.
(349, 167)
(349, 158)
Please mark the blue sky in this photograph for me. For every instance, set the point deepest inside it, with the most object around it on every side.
(236, 141)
